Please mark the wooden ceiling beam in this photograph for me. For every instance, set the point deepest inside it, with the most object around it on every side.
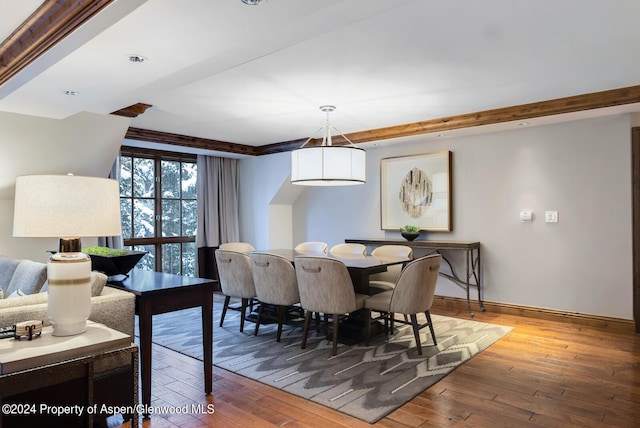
(188, 141)
(595, 100)
(55, 19)
(132, 111)
(610, 98)
(47, 26)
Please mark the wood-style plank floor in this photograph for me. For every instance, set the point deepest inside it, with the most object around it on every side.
(542, 374)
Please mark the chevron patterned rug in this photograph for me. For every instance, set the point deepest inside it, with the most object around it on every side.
(367, 382)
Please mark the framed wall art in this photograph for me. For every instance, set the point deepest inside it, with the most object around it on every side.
(416, 190)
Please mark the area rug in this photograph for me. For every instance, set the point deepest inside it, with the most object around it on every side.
(367, 382)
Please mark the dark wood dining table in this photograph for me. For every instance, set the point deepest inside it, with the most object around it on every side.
(359, 267)
(352, 328)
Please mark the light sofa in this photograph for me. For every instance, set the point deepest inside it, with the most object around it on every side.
(109, 306)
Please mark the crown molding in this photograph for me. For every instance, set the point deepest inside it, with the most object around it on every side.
(48, 25)
(188, 141)
(55, 19)
(595, 100)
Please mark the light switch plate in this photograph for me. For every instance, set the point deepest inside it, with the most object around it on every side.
(551, 216)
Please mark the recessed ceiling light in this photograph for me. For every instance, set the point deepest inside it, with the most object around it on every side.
(71, 93)
(523, 123)
(136, 58)
(441, 135)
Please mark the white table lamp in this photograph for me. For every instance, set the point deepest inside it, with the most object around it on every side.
(67, 207)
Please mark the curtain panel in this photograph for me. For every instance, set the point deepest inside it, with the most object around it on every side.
(113, 241)
(217, 209)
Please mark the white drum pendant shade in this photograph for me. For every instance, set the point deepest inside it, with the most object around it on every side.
(328, 166)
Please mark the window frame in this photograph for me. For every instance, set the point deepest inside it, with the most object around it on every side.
(158, 156)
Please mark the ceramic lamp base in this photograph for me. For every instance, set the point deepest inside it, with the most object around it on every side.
(69, 301)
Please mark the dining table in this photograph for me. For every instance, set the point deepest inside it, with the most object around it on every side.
(360, 267)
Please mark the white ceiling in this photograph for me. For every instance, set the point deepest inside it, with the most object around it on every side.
(256, 75)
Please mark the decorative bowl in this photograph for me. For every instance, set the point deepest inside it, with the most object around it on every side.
(116, 265)
(410, 236)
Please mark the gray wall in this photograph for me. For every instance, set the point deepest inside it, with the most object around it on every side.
(580, 168)
(82, 144)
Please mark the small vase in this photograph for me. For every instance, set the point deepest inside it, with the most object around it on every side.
(410, 236)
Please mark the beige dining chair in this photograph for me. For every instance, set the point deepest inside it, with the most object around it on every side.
(413, 294)
(236, 280)
(385, 281)
(325, 287)
(241, 247)
(348, 249)
(275, 281)
(315, 247)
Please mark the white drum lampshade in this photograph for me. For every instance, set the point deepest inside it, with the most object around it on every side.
(67, 207)
(326, 164)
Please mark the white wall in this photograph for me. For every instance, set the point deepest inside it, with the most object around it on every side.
(83, 144)
(581, 169)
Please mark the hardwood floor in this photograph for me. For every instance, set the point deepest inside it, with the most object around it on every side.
(542, 374)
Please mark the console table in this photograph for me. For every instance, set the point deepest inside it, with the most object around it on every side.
(472, 261)
(158, 293)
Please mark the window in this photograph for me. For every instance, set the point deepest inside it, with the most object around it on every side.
(159, 208)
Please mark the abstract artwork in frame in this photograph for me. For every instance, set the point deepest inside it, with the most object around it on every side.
(416, 190)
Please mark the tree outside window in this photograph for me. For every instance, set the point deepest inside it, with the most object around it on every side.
(159, 208)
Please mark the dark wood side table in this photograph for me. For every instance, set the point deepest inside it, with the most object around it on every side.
(471, 251)
(86, 374)
(158, 293)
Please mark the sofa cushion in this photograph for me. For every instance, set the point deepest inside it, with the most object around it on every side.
(7, 268)
(98, 280)
(32, 299)
(28, 277)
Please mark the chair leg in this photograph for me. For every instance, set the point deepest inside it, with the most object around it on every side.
(336, 322)
(433, 334)
(416, 332)
(305, 332)
(281, 311)
(367, 326)
(260, 306)
(243, 311)
(227, 299)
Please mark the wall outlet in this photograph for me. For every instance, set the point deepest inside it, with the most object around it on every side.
(526, 215)
(551, 216)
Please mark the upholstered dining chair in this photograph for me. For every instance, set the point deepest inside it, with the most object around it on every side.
(325, 287)
(314, 247)
(348, 249)
(275, 280)
(412, 294)
(385, 281)
(241, 247)
(236, 280)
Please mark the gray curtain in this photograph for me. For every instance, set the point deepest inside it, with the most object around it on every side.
(217, 209)
(113, 241)
(217, 201)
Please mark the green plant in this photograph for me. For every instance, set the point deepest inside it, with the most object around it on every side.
(104, 251)
(410, 228)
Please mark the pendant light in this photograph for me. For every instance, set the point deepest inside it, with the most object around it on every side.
(328, 165)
